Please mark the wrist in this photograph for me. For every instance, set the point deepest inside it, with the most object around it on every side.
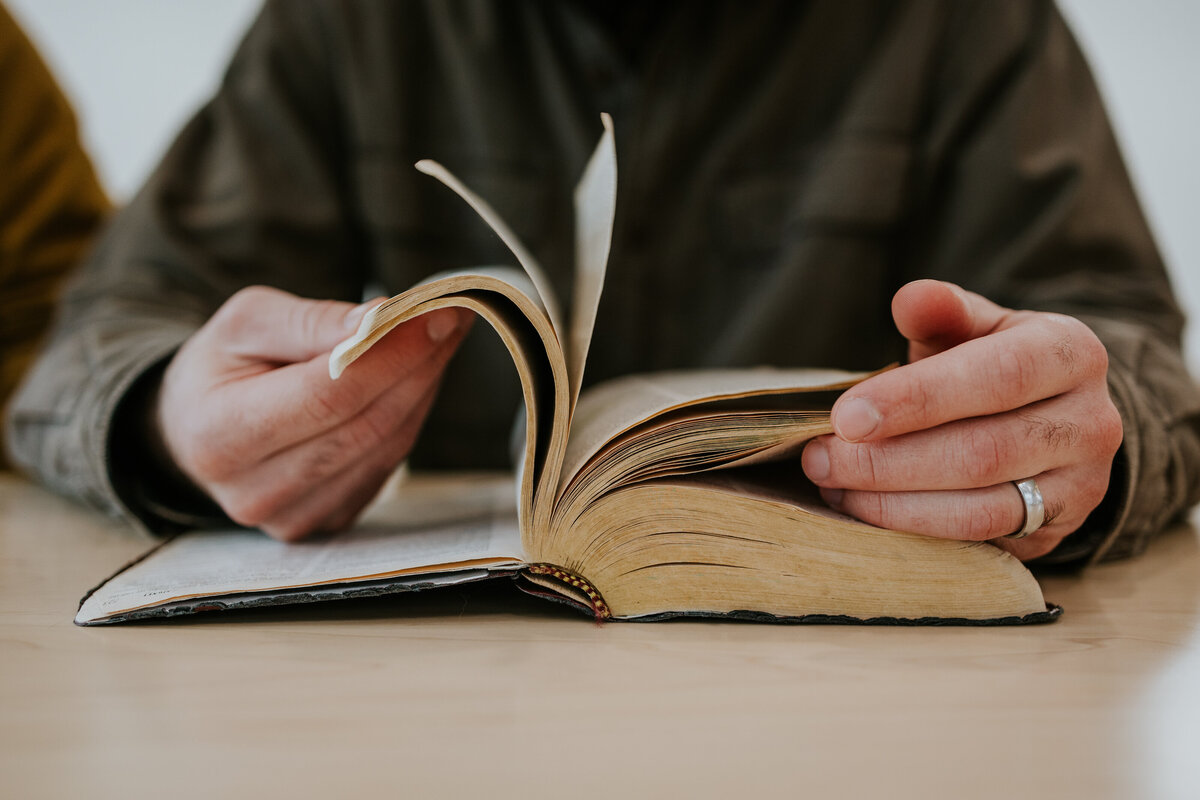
(144, 474)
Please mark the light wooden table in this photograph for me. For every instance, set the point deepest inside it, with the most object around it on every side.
(486, 692)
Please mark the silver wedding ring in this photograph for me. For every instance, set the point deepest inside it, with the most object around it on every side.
(1035, 508)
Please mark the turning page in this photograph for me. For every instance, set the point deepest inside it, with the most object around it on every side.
(545, 290)
(595, 211)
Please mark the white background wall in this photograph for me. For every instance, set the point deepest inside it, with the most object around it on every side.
(137, 68)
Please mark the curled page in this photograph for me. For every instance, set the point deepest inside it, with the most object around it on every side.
(532, 268)
(595, 210)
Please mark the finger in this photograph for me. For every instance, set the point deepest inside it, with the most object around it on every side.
(972, 453)
(1043, 356)
(263, 325)
(289, 405)
(935, 316)
(975, 514)
(332, 509)
(347, 513)
(1036, 544)
(382, 435)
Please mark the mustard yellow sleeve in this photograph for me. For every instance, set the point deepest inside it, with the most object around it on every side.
(50, 201)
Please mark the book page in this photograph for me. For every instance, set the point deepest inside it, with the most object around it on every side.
(380, 319)
(496, 296)
(545, 289)
(291, 596)
(608, 409)
(782, 484)
(429, 525)
(517, 279)
(595, 210)
(714, 544)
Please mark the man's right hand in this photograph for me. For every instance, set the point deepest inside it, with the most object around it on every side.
(248, 412)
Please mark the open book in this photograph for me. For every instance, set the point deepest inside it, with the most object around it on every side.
(644, 497)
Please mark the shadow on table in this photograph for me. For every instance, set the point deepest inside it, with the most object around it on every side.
(498, 597)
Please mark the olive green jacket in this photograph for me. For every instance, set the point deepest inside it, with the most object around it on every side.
(784, 168)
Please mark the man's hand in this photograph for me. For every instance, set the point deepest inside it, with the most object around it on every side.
(990, 396)
(248, 412)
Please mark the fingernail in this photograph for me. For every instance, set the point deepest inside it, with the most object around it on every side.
(833, 498)
(441, 325)
(354, 316)
(815, 460)
(856, 418)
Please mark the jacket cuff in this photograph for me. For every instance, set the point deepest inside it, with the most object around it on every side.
(1160, 412)
(149, 486)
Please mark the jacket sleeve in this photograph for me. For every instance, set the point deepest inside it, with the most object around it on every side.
(249, 193)
(1023, 197)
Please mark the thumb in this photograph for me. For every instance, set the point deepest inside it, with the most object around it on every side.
(260, 323)
(935, 316)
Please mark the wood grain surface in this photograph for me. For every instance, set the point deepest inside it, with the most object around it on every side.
(485, 691)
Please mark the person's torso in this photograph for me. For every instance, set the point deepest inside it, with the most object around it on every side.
(764, 153)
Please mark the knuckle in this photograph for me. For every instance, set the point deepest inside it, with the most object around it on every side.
(1075, 345)
(311, 318)
(873, 507)
(324, 458)
(362, 435)
(1015, 371)
(1057, 512)
(865, 467)
(203, 464)
(1063, 335)
(918, 397)
(242, 301)
(204, 459)
(236, 312)
(1060, 434)
(1056, 434)
(1089, 495)
(250, 509)
(984, 456)
(288, 531)
(1095, 353)
(986, 521)
(1090, 353)
(1110, 429)
(324, 404)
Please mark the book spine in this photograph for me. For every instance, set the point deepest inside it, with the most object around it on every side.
(599, 607)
